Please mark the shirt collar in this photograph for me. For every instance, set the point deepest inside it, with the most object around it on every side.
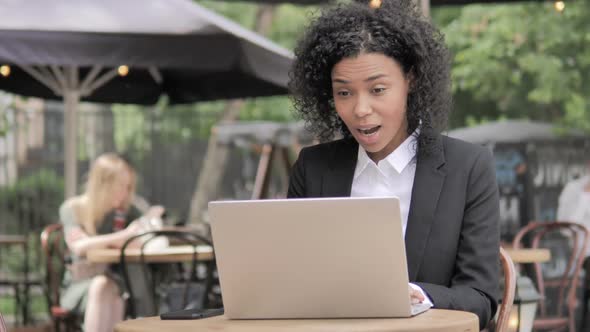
(398, 159)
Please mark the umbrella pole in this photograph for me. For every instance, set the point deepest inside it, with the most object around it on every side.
(67, 83)
(71, 101)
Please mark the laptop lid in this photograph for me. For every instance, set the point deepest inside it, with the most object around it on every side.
(311, 258)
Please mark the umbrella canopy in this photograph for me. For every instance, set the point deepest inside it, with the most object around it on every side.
(131, 52)
(510, 131)
(175, 47)
(296, 2)
(433, 3)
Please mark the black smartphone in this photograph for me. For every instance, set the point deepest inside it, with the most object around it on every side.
(192, 313)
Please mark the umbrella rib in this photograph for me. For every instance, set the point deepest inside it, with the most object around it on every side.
(102, 80)
(156, 75)
(39, 76)
(59, 75)
(88, 79)
(47, 73)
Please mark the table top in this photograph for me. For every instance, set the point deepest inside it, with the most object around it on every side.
(170, 254)
(529, 255)
(433, 320)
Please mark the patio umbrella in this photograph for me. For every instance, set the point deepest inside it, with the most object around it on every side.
(131, 51)
(511, 131)
(433, 3)
(296, 2)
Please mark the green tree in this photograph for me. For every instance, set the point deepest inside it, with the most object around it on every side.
(521, 61)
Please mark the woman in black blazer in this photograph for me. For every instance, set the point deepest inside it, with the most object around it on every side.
(377, 74)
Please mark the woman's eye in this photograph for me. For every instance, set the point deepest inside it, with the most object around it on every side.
(343, 93)
(378, 90)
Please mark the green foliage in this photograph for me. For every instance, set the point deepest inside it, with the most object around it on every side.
(38, 305)
(240, 12)
(172, 123)
(28, 205)
(521, 61)
(6, 105)
(179, 123)
(34, 199)
(289, 22)
(270, 109)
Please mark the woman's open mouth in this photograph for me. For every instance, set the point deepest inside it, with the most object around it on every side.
(369, 131)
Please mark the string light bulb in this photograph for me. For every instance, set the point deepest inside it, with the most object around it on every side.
(123, 70)
(375, 4)
(559, 6)
(5, 70)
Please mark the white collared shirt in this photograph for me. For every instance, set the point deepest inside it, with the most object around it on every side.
(392, 176)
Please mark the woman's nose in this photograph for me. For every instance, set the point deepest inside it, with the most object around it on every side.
(362, 107)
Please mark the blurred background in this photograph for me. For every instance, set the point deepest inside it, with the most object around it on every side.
(521, 85)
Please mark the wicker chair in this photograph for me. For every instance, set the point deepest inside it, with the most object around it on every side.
(55, 251)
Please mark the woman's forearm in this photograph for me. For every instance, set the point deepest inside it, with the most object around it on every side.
(81, 246)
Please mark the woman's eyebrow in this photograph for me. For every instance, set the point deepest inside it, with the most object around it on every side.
(368, 79)
(339, 80)
(374, 77)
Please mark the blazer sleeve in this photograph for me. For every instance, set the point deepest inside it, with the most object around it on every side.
(474, 284)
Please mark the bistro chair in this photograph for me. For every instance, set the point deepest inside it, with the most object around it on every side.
(563, 314)
(586, 297)
(154, 282)
(55, 252)
(502, 321)
(3, 327)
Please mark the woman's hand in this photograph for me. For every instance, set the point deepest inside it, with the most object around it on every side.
(135, 227)
(415, 295)
(155, 211)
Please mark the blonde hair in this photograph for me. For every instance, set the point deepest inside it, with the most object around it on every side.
(105, 173)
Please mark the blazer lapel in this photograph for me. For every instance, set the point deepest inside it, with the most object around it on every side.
(428, 183)
(337, 181)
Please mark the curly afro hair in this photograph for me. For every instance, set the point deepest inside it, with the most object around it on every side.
(396, 29)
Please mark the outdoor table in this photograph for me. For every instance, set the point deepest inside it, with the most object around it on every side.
(172, 254)
(529, 255)
(433, 320)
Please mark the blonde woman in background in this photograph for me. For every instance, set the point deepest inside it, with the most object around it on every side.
(102, 217)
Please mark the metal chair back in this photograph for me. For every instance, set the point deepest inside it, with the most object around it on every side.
(577, 235)
(181, 237)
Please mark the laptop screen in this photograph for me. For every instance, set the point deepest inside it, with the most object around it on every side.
(311, 258)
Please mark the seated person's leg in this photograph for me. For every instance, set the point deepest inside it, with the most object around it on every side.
(105, 307)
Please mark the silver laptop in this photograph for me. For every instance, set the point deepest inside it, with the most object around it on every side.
(311, 258)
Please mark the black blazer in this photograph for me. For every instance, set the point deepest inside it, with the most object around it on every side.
(452, 237)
